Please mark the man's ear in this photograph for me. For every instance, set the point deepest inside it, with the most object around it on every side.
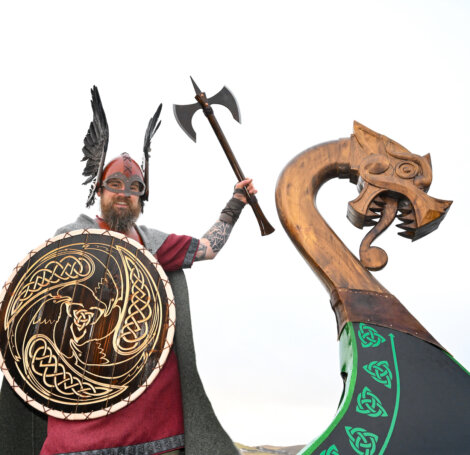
(98, 192)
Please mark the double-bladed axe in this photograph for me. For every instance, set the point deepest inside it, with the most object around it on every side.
(184, 115)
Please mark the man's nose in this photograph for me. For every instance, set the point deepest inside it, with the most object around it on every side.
(123, 192)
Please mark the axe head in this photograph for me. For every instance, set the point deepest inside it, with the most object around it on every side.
(184, 113)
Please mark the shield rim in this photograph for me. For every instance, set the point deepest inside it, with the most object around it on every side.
(161, 361)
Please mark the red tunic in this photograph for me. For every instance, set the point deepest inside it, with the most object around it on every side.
(155, 420)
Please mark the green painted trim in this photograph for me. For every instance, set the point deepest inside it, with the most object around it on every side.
(347, 333)
(397, 399)
(457, 362)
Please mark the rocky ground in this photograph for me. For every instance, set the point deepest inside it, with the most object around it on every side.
(268, 450)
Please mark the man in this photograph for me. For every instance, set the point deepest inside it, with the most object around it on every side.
(174, 415)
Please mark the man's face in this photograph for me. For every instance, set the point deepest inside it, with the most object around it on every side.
(118, 210)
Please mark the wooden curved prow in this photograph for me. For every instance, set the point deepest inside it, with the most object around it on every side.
(402, 394)
(296, 193)
(389, 178)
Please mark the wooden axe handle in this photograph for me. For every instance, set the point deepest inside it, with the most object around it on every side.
(264, 224)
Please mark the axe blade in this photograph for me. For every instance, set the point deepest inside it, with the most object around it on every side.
(184, 112)
(225, 98)
(184, 115)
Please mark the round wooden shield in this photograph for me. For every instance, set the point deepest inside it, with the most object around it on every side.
(86, 323)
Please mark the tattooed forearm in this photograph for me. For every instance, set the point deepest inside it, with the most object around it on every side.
(218, 235)
(201, 252)
(213, 240)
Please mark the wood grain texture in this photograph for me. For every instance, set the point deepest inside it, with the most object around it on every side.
(392, 182)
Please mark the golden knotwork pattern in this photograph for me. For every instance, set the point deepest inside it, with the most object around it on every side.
(136, 325)
(66, 269)
(53, 376)
(85, 321)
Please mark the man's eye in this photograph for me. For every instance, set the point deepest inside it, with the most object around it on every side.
(114, 184)
(135, 187)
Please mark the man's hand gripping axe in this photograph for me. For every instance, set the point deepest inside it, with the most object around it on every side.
(184, 115)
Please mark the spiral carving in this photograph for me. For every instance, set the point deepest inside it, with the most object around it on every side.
(407, 169)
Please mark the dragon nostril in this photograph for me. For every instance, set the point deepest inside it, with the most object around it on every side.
(404, 204)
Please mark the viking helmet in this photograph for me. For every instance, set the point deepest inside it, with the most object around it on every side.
(123, 168)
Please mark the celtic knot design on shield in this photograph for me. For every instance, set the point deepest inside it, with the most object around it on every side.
(135, 327)
(370, 404)
(362, 441)
(369, 336)
(380, 372)
(48, 274)
(332, 450)
(86, 324)
(51, 374)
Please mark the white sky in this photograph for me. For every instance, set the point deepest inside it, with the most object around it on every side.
(302, 71)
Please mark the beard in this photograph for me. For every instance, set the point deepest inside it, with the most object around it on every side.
(120, 220)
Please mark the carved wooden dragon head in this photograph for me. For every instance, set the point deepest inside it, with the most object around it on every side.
(390, 179)
(393, 182)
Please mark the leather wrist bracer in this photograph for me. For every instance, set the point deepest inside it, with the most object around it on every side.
(232, 211)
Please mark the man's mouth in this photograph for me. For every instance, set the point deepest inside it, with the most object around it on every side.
(121, 204)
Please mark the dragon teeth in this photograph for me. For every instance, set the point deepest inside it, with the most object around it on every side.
(407, 234)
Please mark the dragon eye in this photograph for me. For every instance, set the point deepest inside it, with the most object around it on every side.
(407, 169)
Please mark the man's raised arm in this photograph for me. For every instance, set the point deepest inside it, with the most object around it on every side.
(216, 237)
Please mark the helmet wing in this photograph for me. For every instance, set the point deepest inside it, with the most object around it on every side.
(95, 145)
(152, 128)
